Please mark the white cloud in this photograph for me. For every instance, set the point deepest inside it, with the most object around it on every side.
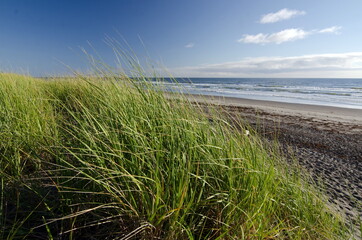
(319, 65)
(189, 45)
(334, 29)
(286, 35)
(281, 15)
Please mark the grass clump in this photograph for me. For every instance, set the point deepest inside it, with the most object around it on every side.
(86, 158)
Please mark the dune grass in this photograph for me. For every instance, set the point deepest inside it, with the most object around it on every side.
(91, 158)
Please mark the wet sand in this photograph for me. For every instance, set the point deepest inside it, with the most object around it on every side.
(326, 141)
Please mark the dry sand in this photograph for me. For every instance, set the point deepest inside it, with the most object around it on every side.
(326, 141)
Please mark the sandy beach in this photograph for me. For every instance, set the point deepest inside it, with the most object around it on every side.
(326, 141)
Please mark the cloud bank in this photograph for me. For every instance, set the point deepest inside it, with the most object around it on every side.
(319, 65)
(286, 35)
(281, 15)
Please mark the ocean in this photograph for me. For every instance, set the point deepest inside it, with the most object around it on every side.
(346, 93)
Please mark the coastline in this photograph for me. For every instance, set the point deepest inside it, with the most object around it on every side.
(326, 141)
(347, 115)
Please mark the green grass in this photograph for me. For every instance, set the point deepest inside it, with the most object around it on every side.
(116, 159)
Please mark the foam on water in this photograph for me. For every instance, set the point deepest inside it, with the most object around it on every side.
(345, 93)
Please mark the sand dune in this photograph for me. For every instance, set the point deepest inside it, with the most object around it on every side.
(327, 141)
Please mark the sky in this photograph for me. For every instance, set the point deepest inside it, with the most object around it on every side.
(188, 38)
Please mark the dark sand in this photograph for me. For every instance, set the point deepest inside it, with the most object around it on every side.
(326, 141)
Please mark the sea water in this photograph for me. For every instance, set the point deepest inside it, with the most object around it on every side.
(339, 92)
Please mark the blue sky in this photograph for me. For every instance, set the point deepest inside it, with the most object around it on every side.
(191, 38)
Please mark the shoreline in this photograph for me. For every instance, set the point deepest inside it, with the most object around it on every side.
(350, 115)
(326, 142)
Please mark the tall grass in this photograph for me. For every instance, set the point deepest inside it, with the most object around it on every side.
(113, 158)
